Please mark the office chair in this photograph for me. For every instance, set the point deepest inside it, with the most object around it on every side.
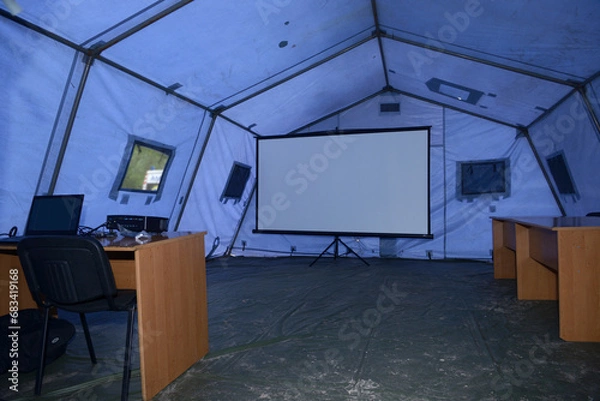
(74, 274)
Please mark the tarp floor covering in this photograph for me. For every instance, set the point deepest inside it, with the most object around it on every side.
(341, 330)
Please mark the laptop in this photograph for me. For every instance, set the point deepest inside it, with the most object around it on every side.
(52, 215)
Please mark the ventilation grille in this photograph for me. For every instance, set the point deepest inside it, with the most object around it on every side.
(389, 108)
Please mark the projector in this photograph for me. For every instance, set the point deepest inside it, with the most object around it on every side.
(149, 224)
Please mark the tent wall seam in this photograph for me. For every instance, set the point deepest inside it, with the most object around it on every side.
(300, 72)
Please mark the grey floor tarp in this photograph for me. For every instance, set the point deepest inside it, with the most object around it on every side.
(398, 329)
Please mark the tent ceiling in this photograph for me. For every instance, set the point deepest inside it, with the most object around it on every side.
(556, 39)
(279, 65)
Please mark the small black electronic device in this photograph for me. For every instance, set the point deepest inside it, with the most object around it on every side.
(149, 224)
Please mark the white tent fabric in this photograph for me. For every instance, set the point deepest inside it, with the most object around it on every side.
(569, 129)
(80, 79)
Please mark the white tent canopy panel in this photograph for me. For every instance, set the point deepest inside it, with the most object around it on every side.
(358, 183)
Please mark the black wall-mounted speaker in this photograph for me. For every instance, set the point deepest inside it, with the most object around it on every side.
(561, 174)
(236, 182)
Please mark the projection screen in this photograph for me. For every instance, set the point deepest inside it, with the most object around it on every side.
(357, 183)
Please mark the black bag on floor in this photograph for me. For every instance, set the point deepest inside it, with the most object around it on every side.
(24, 336)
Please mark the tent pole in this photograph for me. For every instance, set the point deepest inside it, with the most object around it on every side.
(69, 127)
(591, 111)
(195, 173)
(240, 222)
(298, 73)
(481, 61)
(379, 42)
(544, 172)
(445, 179)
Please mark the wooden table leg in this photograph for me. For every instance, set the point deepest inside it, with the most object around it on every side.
(579, 285)
(503, 251)
(534, 280)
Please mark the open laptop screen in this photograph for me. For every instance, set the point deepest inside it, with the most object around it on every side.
(54, 214)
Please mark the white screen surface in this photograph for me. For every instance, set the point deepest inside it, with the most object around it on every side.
(359, 183)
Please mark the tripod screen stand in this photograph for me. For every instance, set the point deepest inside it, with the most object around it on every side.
(335, 243)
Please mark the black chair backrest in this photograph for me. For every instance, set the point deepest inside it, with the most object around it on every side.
(66, 269)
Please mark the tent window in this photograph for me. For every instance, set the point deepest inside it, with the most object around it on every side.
(144, 167)
(484, 177)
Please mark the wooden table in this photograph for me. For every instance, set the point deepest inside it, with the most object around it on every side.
(554, 258)
(169, 275)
